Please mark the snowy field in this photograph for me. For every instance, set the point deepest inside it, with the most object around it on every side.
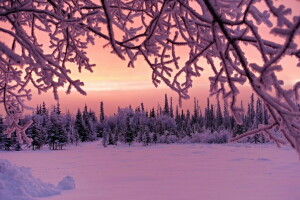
(168, 172)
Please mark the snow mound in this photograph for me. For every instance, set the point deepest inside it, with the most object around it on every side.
(67, 183)
(17, 183)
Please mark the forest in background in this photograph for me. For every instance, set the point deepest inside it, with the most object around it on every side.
(163, 124)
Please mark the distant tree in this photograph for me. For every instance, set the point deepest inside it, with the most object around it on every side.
(2, 136)
(36, 132)
(102, 116)
(266, 115)
(129, 134)
(152, 113)
(171, 108)
(166, 110)
(155, 138)
(219, 117)
(196, 112)
(80, 127)
(146, 138)
(142, 107)
(44, 110)
(57, 109)
(69, 128)
(259, 112)
(90, 129)
(252, 111)
(226, 117)
(57, 137)
(105, 138)
(208, 122)
(212, 117)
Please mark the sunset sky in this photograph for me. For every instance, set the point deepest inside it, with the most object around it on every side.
(117, 85)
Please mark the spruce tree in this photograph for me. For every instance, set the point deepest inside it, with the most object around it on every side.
(44, 109)
(265, 115)
(2, 136)
(57, 137)
(101, 112)
(129, 134)
(171, 108)
(87, 124)
(207, 115)
(80, 128)
(142, 107)
(219, 117)
(259, 112)
(152, 113)
(226, 120)
(58, 111)
(196, 112)
(212, 117)
(36, 133)
(166, 110)
(155, 138)
(252, 111)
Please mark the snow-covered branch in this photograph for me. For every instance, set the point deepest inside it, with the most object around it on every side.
(173, 37)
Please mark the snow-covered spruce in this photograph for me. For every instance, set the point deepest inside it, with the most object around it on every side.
(18, 183)
(57, 129)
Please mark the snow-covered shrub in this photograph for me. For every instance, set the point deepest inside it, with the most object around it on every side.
(197, 137)
(217, 137)
(172, 139)
(162, 139)
(185, 140)
(207, 137)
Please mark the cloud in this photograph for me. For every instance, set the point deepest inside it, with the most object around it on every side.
(118, 85)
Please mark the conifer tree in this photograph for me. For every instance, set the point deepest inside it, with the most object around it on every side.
(129, 134)
(56, 137)
(212, 117)
(105, 137)
(207, 115)
(80, 128)
(155, 138)
(265, 115)
(219, 117)
(152, 113)
(101, 112)
(36, 132)
(2, 136)
(259, 112)
(226, 118)
(44, 109)
(142, 107)
(88, 124)
(171, 108)
(58, 111)
(166, 110)
(177, 116)
(196, 112)
(252, 111)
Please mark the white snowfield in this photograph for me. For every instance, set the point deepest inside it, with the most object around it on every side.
(168, 171)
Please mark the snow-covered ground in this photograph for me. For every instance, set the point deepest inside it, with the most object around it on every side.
(168, 172)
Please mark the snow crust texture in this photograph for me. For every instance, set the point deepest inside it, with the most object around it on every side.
(18, 183)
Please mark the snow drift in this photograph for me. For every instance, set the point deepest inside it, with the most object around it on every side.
(17, 183)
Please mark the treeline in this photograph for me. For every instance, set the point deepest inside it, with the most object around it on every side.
(168, 125)
(164, 124)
